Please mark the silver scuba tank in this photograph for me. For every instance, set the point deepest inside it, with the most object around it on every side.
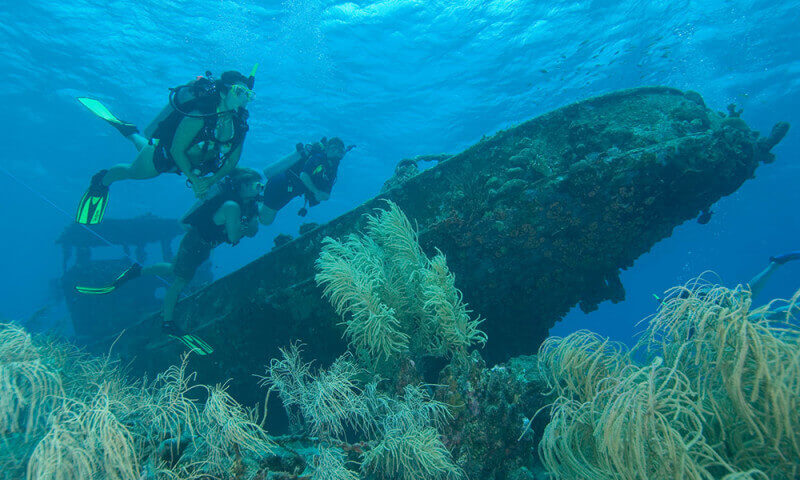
(178, 96)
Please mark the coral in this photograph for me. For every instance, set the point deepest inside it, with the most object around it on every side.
(455, 331)
(329, 400)
(331, 466)
(410, 453)
(393, 298)
(747, 361)
(165, 402)
(575, 366)
(352, 275)
(27, 386)
(68, 415)
(402, 434)
(229, 430)
(84, 440)
(409, 445)
(61, 454)
(717, 397)
(490, 434)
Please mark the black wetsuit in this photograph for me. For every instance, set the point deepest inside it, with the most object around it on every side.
(162, 158)
(204, 234)
(285, 186)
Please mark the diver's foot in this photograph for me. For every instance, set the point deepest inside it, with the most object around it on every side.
(171, 328)
(126, 129)
(192, 342)
(97, 108)
(134, 271)
(92, 206)
(786, 257)
(97, 181)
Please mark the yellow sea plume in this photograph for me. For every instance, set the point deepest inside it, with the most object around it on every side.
(622, 421)
(167, 405)
(28, 387)
(409, 445)
(329, 400)
(353, 277)
(745, 364)
(230, 430)
(62, 453)
(85, 440)
(330, 465)
(718, 397)
(394, 299)
(411, 453)
(578, 366)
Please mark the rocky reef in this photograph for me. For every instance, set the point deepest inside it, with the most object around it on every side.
(533, 220)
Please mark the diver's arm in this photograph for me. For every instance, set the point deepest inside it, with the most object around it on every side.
(281, 165)
(319, 195)
(230, 215)
(227, 167)
(184, 135)
(250, 229)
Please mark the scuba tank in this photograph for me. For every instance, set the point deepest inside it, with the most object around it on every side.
(199, 94)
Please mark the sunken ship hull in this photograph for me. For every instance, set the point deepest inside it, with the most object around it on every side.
(533, 220)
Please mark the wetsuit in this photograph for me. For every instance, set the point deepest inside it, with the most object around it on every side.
(204, 234)
(285, 186)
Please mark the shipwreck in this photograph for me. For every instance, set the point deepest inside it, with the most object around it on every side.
(533, 220)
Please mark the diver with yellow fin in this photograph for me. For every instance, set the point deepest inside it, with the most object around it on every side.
(225, 217)
(199, 134)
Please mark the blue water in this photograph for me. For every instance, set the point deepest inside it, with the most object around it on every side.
(397, 78)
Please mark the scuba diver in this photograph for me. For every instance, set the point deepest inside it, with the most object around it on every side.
(756, 285)
(199, 134)
(758, 282)
(226, 217)
(310, 171)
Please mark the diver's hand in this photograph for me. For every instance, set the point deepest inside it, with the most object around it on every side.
(249, 228)
(200, 186)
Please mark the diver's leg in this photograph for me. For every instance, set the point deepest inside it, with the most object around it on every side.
(162, 269)
(139, 141)
(171, 299)
(141, 169)
(192, 252)
(266, 215)
(758, 282)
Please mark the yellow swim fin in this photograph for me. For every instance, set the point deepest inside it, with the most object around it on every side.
(93, 204)
(100, 110)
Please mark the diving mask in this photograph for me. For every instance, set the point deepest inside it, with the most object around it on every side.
(240, 90)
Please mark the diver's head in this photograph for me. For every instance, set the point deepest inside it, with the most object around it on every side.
(247, 182)
(335, 149)
(233, 90)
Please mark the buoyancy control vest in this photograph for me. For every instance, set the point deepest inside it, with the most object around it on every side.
(202, 217)
(197, 99)
(318, 166)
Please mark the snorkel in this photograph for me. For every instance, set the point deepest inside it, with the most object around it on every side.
(251, 80)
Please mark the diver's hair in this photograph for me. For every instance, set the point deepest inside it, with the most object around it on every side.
(241, 176)
(335, 141)
(228, 79)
